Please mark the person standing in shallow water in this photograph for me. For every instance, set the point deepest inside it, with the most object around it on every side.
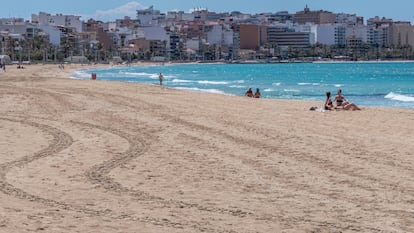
(161, 77)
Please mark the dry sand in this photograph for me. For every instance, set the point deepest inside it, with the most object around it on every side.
(95, 156)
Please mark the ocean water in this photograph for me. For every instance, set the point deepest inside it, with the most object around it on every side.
(385, 84)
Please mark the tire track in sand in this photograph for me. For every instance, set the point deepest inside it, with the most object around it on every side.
(157, 110)
(289, 153)
(62, 141)
(99, 175)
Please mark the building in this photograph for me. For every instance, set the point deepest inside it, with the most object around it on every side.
(378, 31)
(11, 21)
(285, 37)
(379, 22)
(220, 34)
(192, 48)
(59, 20)
(126, 22)
(16, 28)
(106, 40)
(349, 19)
(357, 33)
(155, 33)
(252, 36)
(234, 52)
(194, 29)
(401, 34)
(316, 17)
(215, 34)
(326, 34)
(53, 32)
(148, 16)
(91, 26)
(378, 36)
(281, 17)
(176, 46)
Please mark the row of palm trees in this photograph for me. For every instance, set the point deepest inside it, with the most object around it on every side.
(38, 49)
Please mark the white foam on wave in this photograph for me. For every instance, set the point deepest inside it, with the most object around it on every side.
(338, 85)
(80, 74)
(269, 90)
(309, 84)
(213, 82)
(155, 76)
(291, 90)
(276, 84)
(237, 86)
(399, 97)
(138, 74)
(195, 89)
(146, 75)
(181, 81)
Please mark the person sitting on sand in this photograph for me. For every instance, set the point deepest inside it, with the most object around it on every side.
(257, 93)
(342, 103)
(328, 102)
(249, 92)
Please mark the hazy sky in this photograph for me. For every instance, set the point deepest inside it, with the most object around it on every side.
(110, 9)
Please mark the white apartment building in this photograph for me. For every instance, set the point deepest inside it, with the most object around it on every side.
(15, 29)
(155, 33)
(220, 35)
(349, 19)
(28, 31)
(339, 34)
(45, 19)
(193, 44)
(54, 34)
(325, 34)
(359, 32)
(149, 17)
(215, 35)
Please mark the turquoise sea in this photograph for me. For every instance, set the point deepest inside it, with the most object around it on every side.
(386, 84)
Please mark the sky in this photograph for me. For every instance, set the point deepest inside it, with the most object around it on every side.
(109, 10)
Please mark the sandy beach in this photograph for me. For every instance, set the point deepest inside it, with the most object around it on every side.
(97, 156)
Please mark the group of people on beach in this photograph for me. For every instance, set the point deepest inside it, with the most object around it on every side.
(249, 93)
(339, 102)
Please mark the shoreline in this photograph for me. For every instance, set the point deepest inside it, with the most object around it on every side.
(223, 92)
